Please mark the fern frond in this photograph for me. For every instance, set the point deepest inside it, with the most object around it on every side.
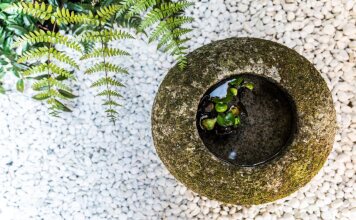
(41, 84)
(113, 103)
(107, 12)
(43, 52)
(111, 111)
(62, 57)
(86, 19)
(171, 38)
(111, 114)
(168, 25)
(140, 6)
(37, 10)
(63, 16)
(105, 36)
(109, 93)
(108, 67)
(51, 68)
(35, 70)
(59, 85)
(43, 95)
(88, 46)
(33, 54)
(107, 81)
(125, 5)
(168, 31)
(182, 61)
(47, 94)
(57, 105)
(166, 10)
(107, 52)
(47, 37)
(49, 82)
(60, 71)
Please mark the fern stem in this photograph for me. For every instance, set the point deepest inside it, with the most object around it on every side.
(104, 46)
(49, 61)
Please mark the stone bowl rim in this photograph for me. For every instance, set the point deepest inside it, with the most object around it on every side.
(304, 158)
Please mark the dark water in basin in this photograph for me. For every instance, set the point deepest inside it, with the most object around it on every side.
(265, 131)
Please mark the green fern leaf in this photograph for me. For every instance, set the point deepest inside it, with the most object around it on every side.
(111, 111)
(41, 85)
(37, 10)
(106, 67)
(57, 105)
(107, 52)
(49, 82)
(168, 25)
(166, 10)
(125, 5)
(47, 37)
(111, 103)
(60, 71)
(107, 81)
(42, 96)
(49, 68)
(140, 6)
(48, 94)
(35, 70)
(40, 52)
(63, 16)
(89, 19)
(110, 93)
(106, 36)
(107, 12)
(33, 54)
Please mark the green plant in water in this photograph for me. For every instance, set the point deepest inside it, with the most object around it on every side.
(225, 110)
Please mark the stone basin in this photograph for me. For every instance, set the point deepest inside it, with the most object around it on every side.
(279, 147)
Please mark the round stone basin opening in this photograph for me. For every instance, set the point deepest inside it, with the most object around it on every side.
(265, 131)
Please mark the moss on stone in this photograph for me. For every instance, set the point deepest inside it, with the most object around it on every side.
(181, 150)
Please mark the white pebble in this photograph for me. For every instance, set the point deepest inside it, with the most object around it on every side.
(329, 29)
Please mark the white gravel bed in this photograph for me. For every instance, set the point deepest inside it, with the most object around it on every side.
(80, 166)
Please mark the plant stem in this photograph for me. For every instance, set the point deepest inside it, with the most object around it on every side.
(104, 46)
(49, 61)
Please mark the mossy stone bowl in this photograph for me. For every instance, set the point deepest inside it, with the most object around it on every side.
(268, 170)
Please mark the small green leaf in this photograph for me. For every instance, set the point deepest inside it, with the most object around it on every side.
(236, 82)
(40, 97)
(229, 119)
(220, 107)
(67, 94)
(2, 90)
(209, 123)
(61, 106)
(216, 100)
(4, 6)
(225, 120)
(18, 30)
(233, 91)
(20, 85)
(221, 119)
(228, 97)
(3, 62)
(39, 77)
(249, 86)
(237, 121)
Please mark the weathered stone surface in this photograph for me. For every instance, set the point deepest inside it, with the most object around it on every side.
(180, 148)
